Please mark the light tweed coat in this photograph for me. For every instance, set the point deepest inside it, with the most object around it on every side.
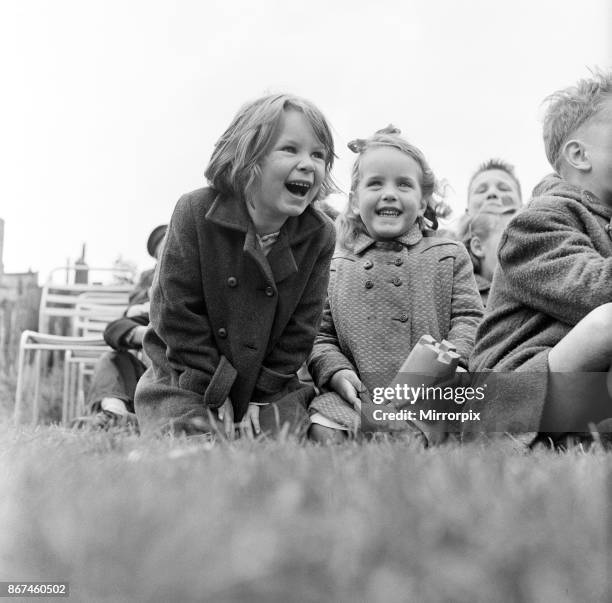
(383, 296)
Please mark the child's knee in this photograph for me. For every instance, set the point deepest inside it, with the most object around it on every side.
(326, 435)
(599, 320)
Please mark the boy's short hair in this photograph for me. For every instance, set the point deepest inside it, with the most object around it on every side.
(569, 108)
(496, 164)
(234, 166)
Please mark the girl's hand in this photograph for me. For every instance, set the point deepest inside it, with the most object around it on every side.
(250, 422)
(347, 384)
(226, 416)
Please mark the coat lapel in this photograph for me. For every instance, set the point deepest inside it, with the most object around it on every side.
(280, 262)
(281, 259)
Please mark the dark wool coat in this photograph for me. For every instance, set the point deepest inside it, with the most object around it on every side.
(226, 320)
(117, 331)
(555, 266)
(384, 296)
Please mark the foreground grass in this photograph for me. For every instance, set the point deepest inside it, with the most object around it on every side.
(129, 519)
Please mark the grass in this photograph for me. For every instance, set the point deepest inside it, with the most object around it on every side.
(134, 519)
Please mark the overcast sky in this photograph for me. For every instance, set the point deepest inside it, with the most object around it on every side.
(110, 108)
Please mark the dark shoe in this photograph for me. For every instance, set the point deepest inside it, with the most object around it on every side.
(105, 420)
(601, 433)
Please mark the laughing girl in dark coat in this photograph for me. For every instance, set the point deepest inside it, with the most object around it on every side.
(242, 279)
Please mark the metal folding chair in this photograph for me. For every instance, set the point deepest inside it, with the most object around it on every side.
(89, 308)
(74, 350)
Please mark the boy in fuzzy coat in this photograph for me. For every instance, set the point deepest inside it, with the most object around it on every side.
(550, 312)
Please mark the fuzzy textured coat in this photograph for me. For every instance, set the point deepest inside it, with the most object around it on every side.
(227, 320)
(555, 266)
(383, 296)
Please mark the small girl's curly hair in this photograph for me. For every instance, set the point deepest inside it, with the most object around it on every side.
(350, 224)
(234, 166)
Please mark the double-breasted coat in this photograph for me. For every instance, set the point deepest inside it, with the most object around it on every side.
(227, 320)
(383, 296)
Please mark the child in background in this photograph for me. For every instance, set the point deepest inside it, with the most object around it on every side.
(113, 384)
(494, 183)
(242, 279)
(391, 282)
(484, 231)
(549, 309)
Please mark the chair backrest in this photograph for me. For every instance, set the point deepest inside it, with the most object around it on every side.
(61, 299)
(90, 319)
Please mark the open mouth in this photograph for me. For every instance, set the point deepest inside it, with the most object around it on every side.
(298, 187)
(388, 212)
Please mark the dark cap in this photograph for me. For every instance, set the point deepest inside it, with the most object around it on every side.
(155, 238)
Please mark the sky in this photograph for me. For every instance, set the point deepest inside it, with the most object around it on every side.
(110, 108)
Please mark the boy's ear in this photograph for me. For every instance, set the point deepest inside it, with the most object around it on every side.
(476, 247)
(575, 154)
(353, 203)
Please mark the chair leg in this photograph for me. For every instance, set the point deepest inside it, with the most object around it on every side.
(20, 374)
(36, 404)
(80, 395)
(66, 392)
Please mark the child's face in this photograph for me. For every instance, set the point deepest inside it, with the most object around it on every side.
(493, 186)
(291, 174)
(597, 138)
(388, 196)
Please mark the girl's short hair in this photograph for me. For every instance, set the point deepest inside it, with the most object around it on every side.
(349, 222)
(482, 225)
(234, 166)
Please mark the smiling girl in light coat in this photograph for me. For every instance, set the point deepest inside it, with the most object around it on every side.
(391, 282)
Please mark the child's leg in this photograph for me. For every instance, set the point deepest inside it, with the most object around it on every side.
(577, 392)
(326, 435)
(290, 415)
(588, 346)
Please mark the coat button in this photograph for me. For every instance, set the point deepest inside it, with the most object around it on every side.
(396, 281)
(367, 264)
(222, 333)
(403, 317)
(232, 281)
(269, 291)
(397, 246)
(398, 261)
(369, 284)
